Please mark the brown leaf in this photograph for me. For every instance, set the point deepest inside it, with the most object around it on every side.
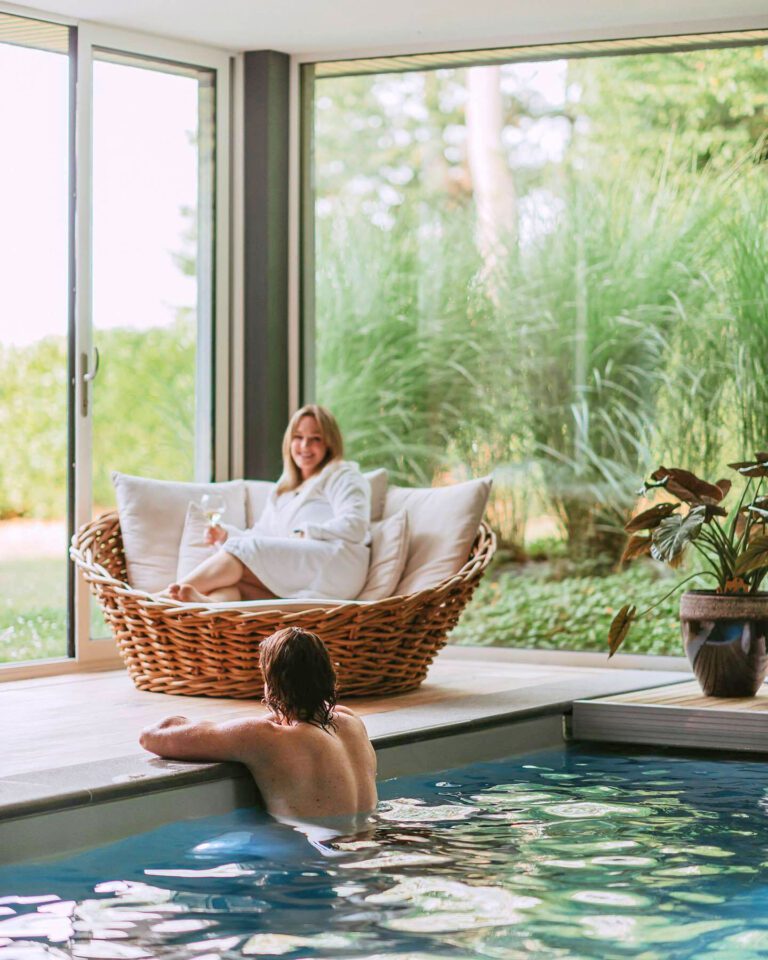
(636, 547)
(619, 627)
(725, 485)
(651, 517)
(751, 468)
(754, 557)
(686, 486)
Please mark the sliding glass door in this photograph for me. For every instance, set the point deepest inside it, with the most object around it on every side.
(113, 304)
(153, 197)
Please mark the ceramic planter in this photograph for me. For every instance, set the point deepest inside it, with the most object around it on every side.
(725, 640)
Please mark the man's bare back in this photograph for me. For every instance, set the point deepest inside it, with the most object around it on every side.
(302, 770)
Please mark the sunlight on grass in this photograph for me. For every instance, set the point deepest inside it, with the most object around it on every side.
(33, 619)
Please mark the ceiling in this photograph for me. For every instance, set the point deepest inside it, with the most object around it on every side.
(328, 28)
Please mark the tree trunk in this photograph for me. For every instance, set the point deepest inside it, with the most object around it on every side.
(493, 187)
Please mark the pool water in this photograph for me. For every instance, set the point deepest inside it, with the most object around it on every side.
(569, 854)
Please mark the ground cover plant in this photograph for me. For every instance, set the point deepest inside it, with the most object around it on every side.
(535, 606)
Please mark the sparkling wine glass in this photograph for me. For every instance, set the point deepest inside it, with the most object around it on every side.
(213, 506)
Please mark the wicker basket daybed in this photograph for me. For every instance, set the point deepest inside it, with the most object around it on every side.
(380, 647)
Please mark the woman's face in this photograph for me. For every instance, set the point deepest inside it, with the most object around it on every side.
(308, 449)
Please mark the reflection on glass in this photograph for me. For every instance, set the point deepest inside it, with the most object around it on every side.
(34, 170)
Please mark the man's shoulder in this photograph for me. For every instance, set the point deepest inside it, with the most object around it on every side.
(348, 720)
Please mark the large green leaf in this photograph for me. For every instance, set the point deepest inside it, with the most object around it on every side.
(674, 534)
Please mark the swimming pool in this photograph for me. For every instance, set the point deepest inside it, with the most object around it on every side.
(561, 853)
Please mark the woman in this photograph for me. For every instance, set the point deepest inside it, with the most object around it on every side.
(311, 540)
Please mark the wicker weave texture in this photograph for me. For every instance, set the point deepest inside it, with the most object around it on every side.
(378, 648)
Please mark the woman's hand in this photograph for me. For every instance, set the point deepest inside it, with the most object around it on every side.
(215, 535)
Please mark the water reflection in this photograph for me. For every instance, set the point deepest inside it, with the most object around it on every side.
(570, 855)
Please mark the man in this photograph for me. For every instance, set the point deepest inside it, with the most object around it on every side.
(310, 758)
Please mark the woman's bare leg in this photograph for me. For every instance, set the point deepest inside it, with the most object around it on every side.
(251, 588)
(215, 579)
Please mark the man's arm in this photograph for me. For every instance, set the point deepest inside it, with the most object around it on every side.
(178, 738)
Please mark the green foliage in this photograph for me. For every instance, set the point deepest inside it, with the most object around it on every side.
(623, 324)
(144, 410)
(708, 107)
(401, 351)
(593, 303)
(745, 282)
(33, 428)
(527, 609)
(144, 405)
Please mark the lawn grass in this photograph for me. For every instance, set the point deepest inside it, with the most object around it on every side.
(33, 610)
(528, 607)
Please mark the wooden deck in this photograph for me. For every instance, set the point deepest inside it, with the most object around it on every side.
(677, 716)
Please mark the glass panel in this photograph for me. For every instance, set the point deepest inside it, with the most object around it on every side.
(551, 271)
(153, 197)
(34, 172)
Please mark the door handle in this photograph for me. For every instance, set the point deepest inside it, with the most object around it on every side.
(87, 376)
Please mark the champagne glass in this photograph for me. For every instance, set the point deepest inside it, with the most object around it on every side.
(213, 506)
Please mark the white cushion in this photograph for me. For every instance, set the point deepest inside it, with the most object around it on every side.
(152, 515)
(389, 551)
(378, 482)
(256, 495)
(193, 549)
(443, 523)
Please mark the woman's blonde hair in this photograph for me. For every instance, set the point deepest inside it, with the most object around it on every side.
(329, 431)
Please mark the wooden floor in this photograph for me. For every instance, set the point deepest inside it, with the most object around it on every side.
(85, 718)
(679, 716)
(690, 695)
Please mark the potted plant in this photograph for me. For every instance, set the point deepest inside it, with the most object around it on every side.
(724, 629)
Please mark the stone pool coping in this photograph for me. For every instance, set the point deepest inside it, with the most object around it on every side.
(54, 789)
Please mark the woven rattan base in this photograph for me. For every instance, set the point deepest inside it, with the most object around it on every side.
(379, 648)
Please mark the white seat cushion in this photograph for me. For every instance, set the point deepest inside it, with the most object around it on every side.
(389, 551)
(443, 523)
(152, 515)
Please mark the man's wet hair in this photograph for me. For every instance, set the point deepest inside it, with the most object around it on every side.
(299, 677)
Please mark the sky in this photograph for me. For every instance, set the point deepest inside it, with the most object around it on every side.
(145, 172)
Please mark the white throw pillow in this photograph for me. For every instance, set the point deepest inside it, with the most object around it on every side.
(378, 482)
(256, 495)
(193, 549)
(443, 523)
(389, 551)
(152, 515)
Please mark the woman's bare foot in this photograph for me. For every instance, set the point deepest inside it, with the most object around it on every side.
(187, 593)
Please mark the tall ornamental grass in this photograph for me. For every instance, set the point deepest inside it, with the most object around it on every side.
(401, 342)
(591, 307)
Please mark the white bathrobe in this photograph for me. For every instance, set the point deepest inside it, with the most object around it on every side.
(332, 509)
